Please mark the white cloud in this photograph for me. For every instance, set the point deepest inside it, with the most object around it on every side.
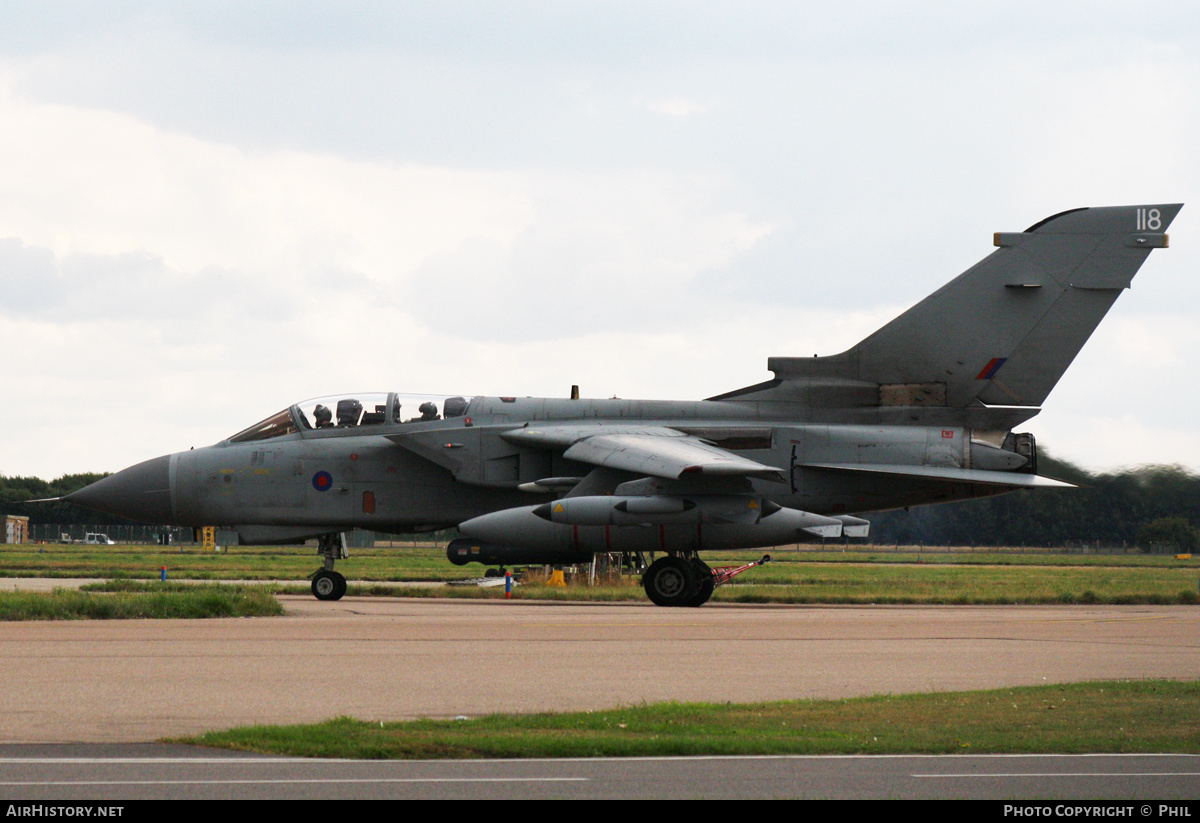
(85, 181)
(674, 106)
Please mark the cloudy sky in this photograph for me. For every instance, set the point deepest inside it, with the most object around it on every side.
(211, 210)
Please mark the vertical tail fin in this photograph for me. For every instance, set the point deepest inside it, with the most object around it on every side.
(1004, 331)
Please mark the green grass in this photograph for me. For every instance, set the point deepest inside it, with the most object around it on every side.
(148, 601)
(968, 555)
(805, 575)
(859, 583)
(1137, 716)
(231, 563)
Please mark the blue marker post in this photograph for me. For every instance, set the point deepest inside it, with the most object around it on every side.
(164, 573)
(508, 585)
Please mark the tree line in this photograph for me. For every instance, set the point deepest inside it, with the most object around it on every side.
(1117, 508)
(15, 490)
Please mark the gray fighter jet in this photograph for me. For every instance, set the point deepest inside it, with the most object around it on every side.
(921, 411)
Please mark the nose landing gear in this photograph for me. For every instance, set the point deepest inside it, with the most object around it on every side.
(326, 583)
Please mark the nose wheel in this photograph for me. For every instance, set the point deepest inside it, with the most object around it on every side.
(328, 585)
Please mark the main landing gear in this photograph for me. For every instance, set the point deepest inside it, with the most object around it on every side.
(679, 580)
(326, 583)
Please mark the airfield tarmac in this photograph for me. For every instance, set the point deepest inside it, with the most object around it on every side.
(385, 658)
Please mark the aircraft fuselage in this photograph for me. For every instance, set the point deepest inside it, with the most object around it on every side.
(423, 475)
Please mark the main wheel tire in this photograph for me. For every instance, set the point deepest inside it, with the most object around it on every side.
(328, 585)
(671, 581)
(706, 583)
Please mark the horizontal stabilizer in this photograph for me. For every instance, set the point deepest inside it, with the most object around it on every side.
(949, 474)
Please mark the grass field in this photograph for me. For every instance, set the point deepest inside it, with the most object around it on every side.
(140, 601)
(1143, 716)
(879, 575)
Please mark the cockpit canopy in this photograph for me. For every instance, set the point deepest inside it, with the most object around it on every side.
(354, 410)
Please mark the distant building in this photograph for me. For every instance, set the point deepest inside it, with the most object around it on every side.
(16, 529)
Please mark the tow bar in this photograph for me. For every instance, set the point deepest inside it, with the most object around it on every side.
(724, 574)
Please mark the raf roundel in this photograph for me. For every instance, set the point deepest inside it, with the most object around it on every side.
(322, 481)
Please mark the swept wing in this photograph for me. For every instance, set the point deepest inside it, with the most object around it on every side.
(657, 451)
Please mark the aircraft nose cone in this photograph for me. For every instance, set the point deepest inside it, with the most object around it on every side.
(141, 492)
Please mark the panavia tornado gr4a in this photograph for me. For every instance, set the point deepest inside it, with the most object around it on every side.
(921, 411)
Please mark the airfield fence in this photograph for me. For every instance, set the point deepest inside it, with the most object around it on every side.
(126, 534)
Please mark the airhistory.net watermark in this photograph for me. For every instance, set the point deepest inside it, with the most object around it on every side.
(43, 810)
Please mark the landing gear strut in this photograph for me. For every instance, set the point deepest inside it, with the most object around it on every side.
(678, 581)
(326, 583)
